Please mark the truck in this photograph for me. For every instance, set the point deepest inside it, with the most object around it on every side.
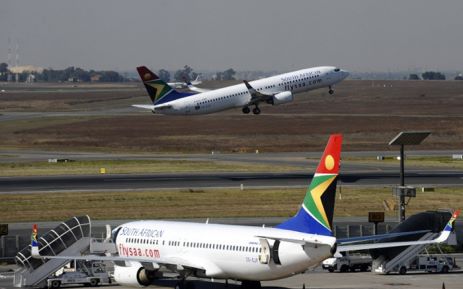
(88, 273)
(349, 262)
(427, 263)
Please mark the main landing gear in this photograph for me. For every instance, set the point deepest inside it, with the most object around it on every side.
(331, 91)
(255, 110)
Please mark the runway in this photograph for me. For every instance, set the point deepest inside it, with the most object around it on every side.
(127, 182)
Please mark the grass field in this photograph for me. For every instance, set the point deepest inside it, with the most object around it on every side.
(214, 203)
(131, 166)
(368, 113)
(426, 162)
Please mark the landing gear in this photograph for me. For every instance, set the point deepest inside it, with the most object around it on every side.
(331, 91)
(250, 285)
(255, 110)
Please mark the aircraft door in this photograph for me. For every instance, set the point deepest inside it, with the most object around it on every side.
(264, 256)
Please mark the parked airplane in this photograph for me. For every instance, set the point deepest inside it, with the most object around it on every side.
(245, 253)
(185, 84)
(273, 90)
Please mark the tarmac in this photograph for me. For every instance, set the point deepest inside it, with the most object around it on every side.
(315, 279)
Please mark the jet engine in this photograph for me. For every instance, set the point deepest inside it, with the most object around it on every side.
(282, 97)
(135, 275)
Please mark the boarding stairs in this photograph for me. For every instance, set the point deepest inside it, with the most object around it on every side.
(406, 257)
(71, 237)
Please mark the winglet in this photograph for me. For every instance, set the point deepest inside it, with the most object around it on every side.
(444, 235)
(451, 222)
(34, 243)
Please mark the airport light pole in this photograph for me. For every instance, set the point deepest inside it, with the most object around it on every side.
(402, 191)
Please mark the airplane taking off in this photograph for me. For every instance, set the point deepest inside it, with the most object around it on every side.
(245, 253)
(275, 90)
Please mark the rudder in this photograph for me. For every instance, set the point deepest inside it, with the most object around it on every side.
(316, 213)
(158, 90)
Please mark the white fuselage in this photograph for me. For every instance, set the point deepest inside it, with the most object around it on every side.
(223, 251)
(239, 96)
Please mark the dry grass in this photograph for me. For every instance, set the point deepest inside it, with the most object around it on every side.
(131, 167)
(368, 113)
(205, 203)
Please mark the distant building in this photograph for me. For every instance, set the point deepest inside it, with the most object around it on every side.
(95, 78)
(459, 77)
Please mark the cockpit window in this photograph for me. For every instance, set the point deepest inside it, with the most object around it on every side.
(336, 69)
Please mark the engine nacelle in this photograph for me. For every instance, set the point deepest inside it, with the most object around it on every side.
(135, 275)
(282, 97)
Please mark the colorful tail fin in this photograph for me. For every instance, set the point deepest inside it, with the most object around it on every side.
(159, 91)
(316, 213)
(34, 243)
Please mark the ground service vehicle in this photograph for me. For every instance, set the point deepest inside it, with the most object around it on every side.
(428, 263)
(89, 273)
(349, 262)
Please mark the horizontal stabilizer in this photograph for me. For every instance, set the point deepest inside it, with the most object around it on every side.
(303, 241)
(144, 106)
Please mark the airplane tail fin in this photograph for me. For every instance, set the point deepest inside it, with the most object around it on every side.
(316, 214)
(34, 242)
(159, 91)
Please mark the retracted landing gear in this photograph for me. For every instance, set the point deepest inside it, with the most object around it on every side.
(250, 285)
(331, 91)
(246, 110)
(184, 284)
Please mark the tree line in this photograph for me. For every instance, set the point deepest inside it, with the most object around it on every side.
(72, 74)
(187, 74)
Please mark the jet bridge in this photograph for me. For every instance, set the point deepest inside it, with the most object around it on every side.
(71, 237)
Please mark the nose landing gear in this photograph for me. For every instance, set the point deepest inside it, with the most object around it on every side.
(331, 91)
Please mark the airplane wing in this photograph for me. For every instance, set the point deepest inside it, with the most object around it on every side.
(378, 237)
(144, 106)
(256, 96)
(443, 236)
(152, 107)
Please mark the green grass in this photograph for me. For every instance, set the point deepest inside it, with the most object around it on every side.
(210, 203)
(437, 162)
(131, 166)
